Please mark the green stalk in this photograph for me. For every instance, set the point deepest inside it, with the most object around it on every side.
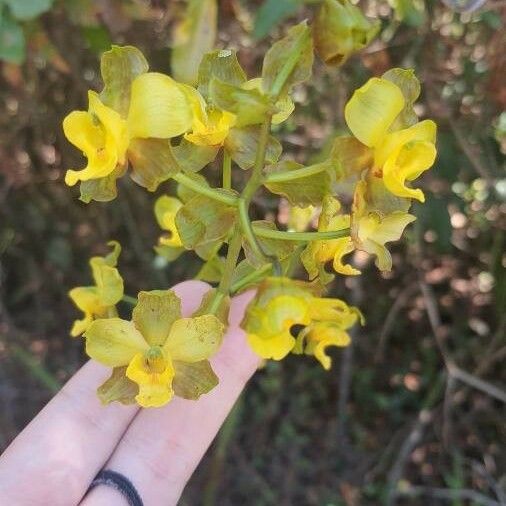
(250, 278)
(227, 171)
(205, 190)
(129, 300)
(301, 236)
(292, 175)
(252, 186)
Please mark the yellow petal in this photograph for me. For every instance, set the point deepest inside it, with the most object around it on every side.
(393, 142)
(86, 299)
(101, 134)
(166, 209)
(114, 342)
(387, 229)
(274, 347)
(80, 326)
(159, 107)
(194, 339)
(113, 124)
(284, 311)
(413, 159)
(155, 386)
(339, 338)
(214, 130)
(343, 247)
(372, 109)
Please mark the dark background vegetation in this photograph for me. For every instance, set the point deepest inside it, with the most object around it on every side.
(411, 413)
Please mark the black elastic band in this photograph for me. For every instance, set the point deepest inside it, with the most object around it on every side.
(120, 483)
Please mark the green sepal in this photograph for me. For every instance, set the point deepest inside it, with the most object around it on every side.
(118, 388)
(340, 29)
(192, 157)
(298, 45)
(204, 222)
(119, 67)
(349, 158)
(271, 247)
(250, 106)
(212, 270)
(152, 162)
(223, 310)
(195, 35)
(168, 253)
(241, 144)
(303, 191)
(184, 193)
(380, 200)
(102, 189)
(223, 65)
(409, 84)
(155, 313)
(193, 379)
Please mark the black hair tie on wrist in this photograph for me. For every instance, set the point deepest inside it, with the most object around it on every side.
(119, 482)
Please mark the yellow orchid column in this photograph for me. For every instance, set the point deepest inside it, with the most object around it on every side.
(158, 351)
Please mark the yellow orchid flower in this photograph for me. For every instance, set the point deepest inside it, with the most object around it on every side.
(170, 245)
(210, 125)
(98, 301)
(281, 304)
(399, 156)
(159, 109)
(154, 344)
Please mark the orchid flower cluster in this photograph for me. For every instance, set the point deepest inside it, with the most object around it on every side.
(158, 129)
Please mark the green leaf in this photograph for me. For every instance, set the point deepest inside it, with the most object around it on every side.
(409, 84)
(169, 253)
(195, 35)
(341, 29)
(28, 9)
(272, 13)
(242, 143)
(192, 157)
(118, 388)
(222, 65)
(249, 105)
(289, 61)
(155, 313)
(152, 162)
(102, 189)
(185, 193)
(204, 221)
(272, 247)
(304, 191)
(12, 40)
(119, 67)
(193, 379)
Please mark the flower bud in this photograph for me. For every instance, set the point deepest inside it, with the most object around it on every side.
(340, 29)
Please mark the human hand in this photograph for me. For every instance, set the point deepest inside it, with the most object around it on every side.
(54, 460)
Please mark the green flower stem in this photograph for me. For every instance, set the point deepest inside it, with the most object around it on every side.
(227, 171)
(292, 175)
(205, 190)
(252, 277)
(129, 300)
(287, 69)
(301, 236)
(234, 248)
(252, 186)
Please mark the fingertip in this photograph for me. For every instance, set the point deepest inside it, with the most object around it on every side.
(191, 293)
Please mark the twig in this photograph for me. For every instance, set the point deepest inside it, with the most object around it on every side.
(450, 494)
(398, 304)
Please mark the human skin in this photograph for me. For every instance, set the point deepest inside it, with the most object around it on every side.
(55, 458)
